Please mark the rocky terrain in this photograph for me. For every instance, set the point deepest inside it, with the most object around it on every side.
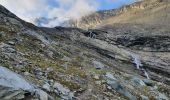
(120, 61)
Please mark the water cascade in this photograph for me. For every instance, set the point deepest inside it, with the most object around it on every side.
(138, 64)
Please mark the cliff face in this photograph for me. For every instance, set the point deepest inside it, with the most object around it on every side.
(124, 61)
(91, 20)
(142, 12)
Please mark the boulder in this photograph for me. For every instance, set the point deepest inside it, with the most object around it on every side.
(9, 93)
(62, 91)
(98, 65)
(137, 82)
(148, 82)
(110, 76)
(46, 87)
(120, 89)
(13, 80)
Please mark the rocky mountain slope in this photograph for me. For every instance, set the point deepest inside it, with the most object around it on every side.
(143, 12)
(120, 62)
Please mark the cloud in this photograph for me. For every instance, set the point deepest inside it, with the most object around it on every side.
(71, 9)
(26, 9)
(58, 10)
(65, 9)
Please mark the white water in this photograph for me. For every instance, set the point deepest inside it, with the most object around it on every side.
(136, 61)
(146, 74)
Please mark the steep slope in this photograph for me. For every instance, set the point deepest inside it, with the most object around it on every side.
(143, 12)
(71, 63)
(91, 20)
(152, 12)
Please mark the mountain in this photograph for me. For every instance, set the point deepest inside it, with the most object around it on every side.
(112, 61)
(143, 12)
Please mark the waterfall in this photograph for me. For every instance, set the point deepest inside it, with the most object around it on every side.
(145, 73)
(136, 61)
(138, 64)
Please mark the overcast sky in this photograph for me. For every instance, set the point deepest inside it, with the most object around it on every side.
(62, 9)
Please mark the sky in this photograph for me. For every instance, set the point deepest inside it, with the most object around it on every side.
(62, 10)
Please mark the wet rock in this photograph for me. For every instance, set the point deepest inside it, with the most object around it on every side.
(98, 65)
(63, 92)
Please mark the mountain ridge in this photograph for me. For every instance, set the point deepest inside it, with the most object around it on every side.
(126, 14)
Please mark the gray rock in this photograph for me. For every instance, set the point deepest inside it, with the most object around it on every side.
(46, 87)
(161, 97)
(26, 73)
(43, 95)
(7, 48)
(63, 92)
(120, 89)
(11, 79)
(98, 82)
(98, 65)
(11, 43)
(38, 72)
(144, 97)
(11, 50)
(137, 82)
(8, 93)
(50, 69)
(2, 34)
(110, 76)
(148, 82)
(13, 87)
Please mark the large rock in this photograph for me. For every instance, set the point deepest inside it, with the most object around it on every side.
(13, 80)
(98, 65)
(120, 89)
(8, 93)
(63, 92)
(137, 82)
(14, 87)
